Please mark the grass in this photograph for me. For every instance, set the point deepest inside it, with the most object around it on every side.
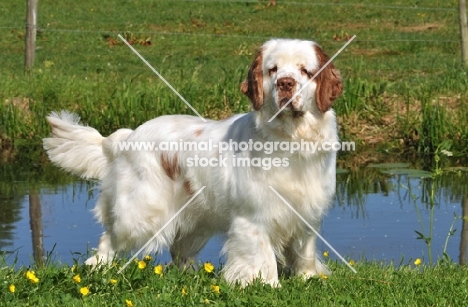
(404, 83)
(405, 91)
(141, 285)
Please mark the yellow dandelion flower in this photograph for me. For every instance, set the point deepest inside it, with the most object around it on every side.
(113, 281)
(141, 264)
(206, 301)
(215, 289)
(148, 258)
(418, 261)
(77, 279)
(128, 303)
(12, 288)
(184, 290)
(351, 262)
(158, 270)
(32, 277)
(325, 254)
(323, 276)
(84, 291)
(208, 267)
(30, 274)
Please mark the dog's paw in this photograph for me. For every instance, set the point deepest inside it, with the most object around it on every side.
(98, 260)
(245, 277)
(319, 269)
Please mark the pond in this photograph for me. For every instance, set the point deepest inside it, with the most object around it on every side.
(380, 213)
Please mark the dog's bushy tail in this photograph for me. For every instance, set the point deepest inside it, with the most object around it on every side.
(78, 148)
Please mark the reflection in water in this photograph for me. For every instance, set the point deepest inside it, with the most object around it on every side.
(374, 216)
(392, 208)
(10, 213)
(35, 220)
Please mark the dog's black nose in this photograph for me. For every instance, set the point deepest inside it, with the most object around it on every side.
(286, 84)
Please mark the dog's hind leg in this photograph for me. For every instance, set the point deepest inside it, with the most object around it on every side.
(105, 252)
(185, 249)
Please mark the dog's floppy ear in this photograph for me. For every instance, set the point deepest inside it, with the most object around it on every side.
(252, 87)
(329, 85)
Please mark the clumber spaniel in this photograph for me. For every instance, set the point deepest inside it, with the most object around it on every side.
(143, 188)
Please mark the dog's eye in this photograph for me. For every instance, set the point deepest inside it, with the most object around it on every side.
(273, 70)
(304, 71)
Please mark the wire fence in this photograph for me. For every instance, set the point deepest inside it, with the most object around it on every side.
(284, 3)
(111, 28)
(296, 3)
(253, 37)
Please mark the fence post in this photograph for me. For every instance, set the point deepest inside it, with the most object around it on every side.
(31, 27)
(463, 31)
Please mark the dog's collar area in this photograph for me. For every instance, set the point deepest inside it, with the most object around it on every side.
(293, 113)
(297, 114)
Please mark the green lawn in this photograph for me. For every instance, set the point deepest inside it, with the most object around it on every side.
(143, 283)
(405, 87)
(405, 90)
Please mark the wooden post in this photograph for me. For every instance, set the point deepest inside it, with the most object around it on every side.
(463, 31)
(31, 27)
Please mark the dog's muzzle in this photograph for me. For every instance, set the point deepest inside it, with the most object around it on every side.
(286, 87)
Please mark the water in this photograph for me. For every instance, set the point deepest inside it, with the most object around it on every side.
(374, 217)
(383, 226)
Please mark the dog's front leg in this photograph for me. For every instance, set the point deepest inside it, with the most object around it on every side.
(249, 253)
(302, 258)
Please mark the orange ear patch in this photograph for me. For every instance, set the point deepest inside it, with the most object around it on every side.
(329, 85)
(252, 87)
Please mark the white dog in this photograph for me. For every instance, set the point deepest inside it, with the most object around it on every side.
(143, 189)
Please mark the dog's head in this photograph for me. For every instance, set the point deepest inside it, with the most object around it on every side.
(284, 67)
